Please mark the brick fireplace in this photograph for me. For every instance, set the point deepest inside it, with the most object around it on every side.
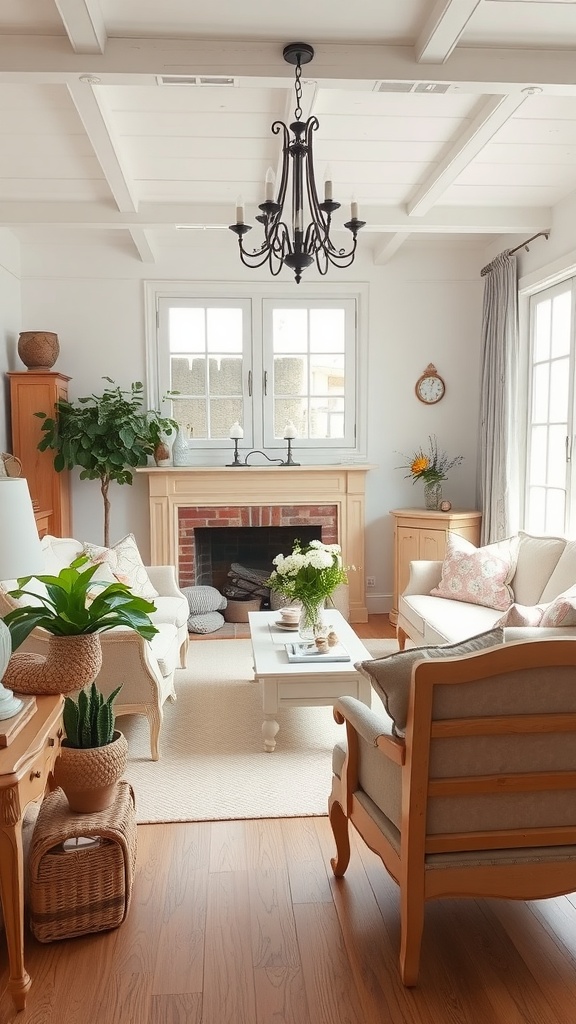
(186, 498)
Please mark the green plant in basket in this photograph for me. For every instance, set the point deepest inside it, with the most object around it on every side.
(89, 720)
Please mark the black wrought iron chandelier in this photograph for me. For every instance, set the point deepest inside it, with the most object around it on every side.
(298, 246)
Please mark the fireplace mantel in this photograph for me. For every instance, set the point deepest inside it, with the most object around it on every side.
(174, 487)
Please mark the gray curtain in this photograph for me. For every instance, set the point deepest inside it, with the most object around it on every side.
(498, 456)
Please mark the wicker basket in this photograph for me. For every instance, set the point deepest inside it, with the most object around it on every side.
(237, 611)
(86, 889)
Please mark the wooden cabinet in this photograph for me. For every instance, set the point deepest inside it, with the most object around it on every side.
(31, 392)
(421, 534)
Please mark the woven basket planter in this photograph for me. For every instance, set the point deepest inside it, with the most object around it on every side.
(38, 350)
(72, 663)
(89, 775)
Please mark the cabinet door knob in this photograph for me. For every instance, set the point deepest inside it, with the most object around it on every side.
(35, 775)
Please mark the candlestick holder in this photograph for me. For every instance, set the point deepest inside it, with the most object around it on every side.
(237, 461)
(289, 459)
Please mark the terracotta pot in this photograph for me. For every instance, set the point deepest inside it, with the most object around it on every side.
(162, 454)
(89, 775)
(72, 662)
(38, 350)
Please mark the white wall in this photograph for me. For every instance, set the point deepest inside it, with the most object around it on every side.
(10, 315)
(423, 307)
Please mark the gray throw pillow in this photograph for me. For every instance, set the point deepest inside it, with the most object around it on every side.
(204, 599)
(209, 622)
(391, 676)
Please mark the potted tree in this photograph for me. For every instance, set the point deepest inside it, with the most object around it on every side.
(93, 754)
(74, 610)
(106, 436)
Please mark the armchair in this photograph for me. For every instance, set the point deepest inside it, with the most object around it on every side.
(478, 799)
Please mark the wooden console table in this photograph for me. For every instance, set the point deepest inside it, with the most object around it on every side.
(25, 766)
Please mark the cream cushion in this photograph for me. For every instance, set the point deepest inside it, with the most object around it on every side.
(564, 575)
(537, 560)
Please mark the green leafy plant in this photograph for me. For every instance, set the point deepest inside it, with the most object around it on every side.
(432, 465)
(66, 609)
(89, 720)
(160, 426)
(106, 436)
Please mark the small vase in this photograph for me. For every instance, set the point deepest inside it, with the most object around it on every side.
(38, 350)
(180, 449)
(433, 494)
(311, 623)
(162, 454)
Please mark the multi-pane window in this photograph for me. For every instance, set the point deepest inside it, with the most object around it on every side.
(550, 493)
(262, 362)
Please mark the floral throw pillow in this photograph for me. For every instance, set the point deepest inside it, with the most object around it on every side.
(561, 611)
(478, 575)
(126, 565)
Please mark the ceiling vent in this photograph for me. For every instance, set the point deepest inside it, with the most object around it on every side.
(198, 80)
(411, 87)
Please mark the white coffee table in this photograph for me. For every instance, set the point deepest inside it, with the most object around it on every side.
(287, 684)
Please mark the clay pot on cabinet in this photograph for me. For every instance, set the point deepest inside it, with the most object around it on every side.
(38, 350)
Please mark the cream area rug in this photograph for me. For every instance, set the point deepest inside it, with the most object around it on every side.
(212, 764)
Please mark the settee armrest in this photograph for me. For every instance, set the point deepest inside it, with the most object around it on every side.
(163, 578)
(424, 575)
(374, 729)
(539, 633)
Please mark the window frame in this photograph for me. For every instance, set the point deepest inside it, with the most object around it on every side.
(257, 433)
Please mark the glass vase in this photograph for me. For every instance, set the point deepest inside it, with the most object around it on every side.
(311, 623)
(433, 494)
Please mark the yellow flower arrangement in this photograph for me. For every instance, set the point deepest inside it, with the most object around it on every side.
(432, 466)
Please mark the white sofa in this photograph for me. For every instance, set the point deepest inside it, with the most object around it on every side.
(545, 568)
(146, 668)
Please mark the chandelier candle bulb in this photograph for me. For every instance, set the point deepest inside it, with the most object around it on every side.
(239, 210)
(236, 431)
(269, 186)
(354, 210)
(328, 186)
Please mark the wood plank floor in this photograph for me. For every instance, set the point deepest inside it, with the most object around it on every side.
(242, 922)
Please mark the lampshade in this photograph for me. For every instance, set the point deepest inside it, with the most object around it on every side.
(20, 555)
(20, 551)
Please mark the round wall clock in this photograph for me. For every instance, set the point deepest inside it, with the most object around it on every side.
(430, 387)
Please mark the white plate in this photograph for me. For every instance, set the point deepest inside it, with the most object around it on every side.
(286, 625)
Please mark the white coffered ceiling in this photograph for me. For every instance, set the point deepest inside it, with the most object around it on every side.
(450, 119)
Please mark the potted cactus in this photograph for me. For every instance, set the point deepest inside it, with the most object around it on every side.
(93, 754)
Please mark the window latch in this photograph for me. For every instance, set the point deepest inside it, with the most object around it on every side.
(249, 383)
(265, 382)
(568, 449)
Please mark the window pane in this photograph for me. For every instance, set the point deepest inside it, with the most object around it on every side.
(192, 413)
(327, 330)
(540, 392)
(555, 512)
(327, 418)
(538, 453)
(295, 409)
(223, 413)
(224, 327)
(559, 390)
(327, 375)
(187, 330)
(537, 510)
(561, 316)
(556, 475)
(542, 330)
(290, 330)
(290, 374)
(225, 377)
(188, 376)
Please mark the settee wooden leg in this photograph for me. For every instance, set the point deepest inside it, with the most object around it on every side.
(401, 637)
(155, 716)
(411, 927)
(339, 823)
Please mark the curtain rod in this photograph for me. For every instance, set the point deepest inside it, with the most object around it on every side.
(523, 245)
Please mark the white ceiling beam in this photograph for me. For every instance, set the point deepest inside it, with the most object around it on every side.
(442, 30)
(453, 220)
(92, 113)
(84, 24)
(494, 113)
(385, 250)
(47, 59)
(142, 244)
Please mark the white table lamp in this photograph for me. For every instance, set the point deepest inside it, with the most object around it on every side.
(20, 555)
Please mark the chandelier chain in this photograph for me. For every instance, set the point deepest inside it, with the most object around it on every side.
(298, 90)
